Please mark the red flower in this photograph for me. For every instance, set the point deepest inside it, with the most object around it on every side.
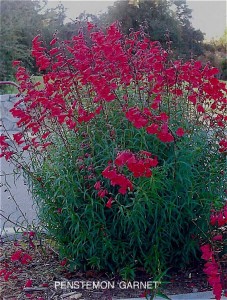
(123, 157)
(152, 129)
(30, 234)
(54, 41)
(63, 262)
(97, 185)
(7, 275)
(28, 283)
(16, 255)
(218, 237)
(19, 255)
(207, 252)
(165, 137)
(135, 116)
(16, 63)
(102, 193)
(117, 179)
(213, 219)
(200, 109)
(109, 202)
(223, 146)
(180, 132)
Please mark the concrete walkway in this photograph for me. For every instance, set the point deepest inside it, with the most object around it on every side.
(192, 296)
(16, 203)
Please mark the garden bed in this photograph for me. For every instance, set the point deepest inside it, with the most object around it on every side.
(45, 269)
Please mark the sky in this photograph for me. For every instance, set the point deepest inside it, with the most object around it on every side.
(208, 16)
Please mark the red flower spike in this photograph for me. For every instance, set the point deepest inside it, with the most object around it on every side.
(135, 116)
(180, 132)
(109, 202)
(97, 185)
(117, 179)
(53, 42)
(16, 255)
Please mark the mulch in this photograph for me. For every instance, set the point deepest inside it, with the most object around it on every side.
(45, 269)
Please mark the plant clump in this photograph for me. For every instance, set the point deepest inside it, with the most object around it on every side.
(127, 149)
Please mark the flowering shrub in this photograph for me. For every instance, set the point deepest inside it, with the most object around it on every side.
(126, 148)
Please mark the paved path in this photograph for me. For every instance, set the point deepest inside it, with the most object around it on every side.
(192, 296)
(15, 201)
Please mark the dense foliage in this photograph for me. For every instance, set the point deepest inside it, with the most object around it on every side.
(127, 149)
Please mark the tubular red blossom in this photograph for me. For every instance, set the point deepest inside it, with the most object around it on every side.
(102, 193)
(3, 144)
(123, 157)
(165, 137)
(118, 179)
(16, 63)
(7, 275)
(152, 129)
(98, 185)
(139, 167)
(53, 42)
(180, 132)
(211, 269)
(7, 154)
(30, 234)
(18, 138)
(109, 202)
(200, 109)
(135, 116)
(207, 251)
(223, 146)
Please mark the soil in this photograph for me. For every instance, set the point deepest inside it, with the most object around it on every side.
(45, 269)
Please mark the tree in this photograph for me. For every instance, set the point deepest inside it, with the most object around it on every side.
(160, 16)
(191, 38)
(20, 22)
